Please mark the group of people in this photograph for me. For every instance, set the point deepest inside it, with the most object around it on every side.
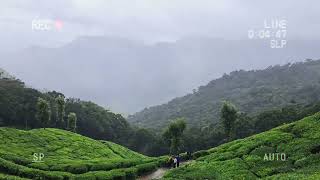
(174, 161)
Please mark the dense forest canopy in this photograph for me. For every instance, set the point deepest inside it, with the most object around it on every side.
(252, 91)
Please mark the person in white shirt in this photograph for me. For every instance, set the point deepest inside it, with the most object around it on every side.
(175, 162)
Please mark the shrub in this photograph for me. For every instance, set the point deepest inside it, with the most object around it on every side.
(15, 159)
(131, 173)
(103, 166)
(184, 157)
(77, 168)
(10, 177)
(115, 165)
(147, 167)
(304, 162)
(22, 171)
(39, 165)
(102, 175)
(163, 161)
(59, 167)
(200, 154)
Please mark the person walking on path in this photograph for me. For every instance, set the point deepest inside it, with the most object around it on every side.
(175, 161)
(178, 160)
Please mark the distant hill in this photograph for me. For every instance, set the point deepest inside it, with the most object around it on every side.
(298, 142)
(66, 155)
(252, 91)
(126, 75)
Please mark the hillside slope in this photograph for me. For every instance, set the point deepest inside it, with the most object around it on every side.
(251, 91)
(18, 109)
(245, 158)
(66, 155)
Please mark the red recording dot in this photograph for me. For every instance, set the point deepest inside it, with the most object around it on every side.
(58, 24)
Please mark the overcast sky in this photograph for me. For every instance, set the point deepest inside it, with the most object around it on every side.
(147, 21)
(151, 20)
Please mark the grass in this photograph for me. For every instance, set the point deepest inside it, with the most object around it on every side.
(244, 159)
(67, 156)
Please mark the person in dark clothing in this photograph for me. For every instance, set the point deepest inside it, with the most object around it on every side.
(178, 160)
(188, 155)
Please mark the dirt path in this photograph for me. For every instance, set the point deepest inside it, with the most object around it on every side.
(159, 173)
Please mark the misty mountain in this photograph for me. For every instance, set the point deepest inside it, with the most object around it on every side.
(251, 91)
(5, 74)
(129, 75)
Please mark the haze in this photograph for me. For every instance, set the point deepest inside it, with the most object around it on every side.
(128, 55)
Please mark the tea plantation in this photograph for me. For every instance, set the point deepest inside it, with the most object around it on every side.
(245, 158)
(67, 155)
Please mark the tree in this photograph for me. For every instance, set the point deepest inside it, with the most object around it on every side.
(136, 143)
(60, 110)
(173, 134)
(228, 116)
(244, 125)
(43, 112)
(72, 121)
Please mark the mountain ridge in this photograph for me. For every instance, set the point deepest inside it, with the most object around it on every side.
(252, 91)
(155, 73)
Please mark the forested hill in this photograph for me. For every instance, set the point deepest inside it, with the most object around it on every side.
(251, 91)
(18, 109)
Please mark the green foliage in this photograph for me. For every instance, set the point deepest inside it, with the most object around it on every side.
(72, 121)
(96, 122)
(244, 159)
(147, 167)
(67, 156)
(77, 168)
(228, 116)
(200, 153)
(195, 139)
(17, 104)
(125, 173)
(146, 142)
(174, 133)
(60, 109)
(10, 177)
(244, 126)
(43, 112)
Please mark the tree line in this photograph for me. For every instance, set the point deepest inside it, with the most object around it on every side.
(233, 124)
(27, 108)
(43, 114)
